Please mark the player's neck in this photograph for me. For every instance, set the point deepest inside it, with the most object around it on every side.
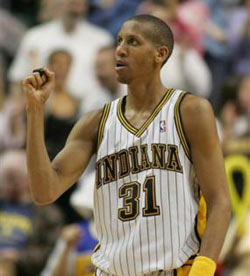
(145, 95)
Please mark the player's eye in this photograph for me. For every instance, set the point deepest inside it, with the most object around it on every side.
(118, 41)
(133, 42)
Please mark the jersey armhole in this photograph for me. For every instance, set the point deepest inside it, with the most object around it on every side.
(201, 218)
(179, 125)
(102, 123)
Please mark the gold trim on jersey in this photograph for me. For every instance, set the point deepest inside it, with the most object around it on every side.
(201, 219)
(140, 131)
(155, 112)
(179, 126)
(96, 247)
(131, 198)
(150, 197)
(102, 123)
(123, 120)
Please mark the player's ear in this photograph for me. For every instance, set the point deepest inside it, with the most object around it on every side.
(162, 54)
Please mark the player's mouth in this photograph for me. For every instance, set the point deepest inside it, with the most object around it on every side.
(120, 65)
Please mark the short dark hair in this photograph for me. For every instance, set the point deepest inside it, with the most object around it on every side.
(160, 33)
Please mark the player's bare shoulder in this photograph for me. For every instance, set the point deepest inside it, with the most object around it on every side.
(197, 115)
(195, 105)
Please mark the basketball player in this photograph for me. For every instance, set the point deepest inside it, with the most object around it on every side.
(158, 154)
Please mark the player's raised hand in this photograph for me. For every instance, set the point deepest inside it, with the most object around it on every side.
(38, 86)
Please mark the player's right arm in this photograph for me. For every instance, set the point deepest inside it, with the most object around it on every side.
(48, 180)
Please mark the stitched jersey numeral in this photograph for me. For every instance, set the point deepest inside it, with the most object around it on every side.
(130, 192)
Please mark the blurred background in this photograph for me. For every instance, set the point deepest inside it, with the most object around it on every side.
(75, 39)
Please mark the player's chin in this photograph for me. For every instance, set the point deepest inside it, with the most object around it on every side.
(123, 79)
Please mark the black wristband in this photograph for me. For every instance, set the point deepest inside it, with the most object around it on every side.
(40, 71)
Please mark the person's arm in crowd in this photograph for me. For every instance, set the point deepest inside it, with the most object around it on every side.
(200, 129)
(48, 180)
(69, 238)
(63, 255)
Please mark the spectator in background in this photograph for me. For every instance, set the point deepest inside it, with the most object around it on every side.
(49, 10)
(105, 72)
(12, 118)
(111, 89)
(168, 11)
(70, 32)
(16, 210)
(185, 69)
(62, 112)
(217, 51)
(239, 38)
(110, 14)
(186, 19)
(194, 14)
(235, 110)
(71, 255)
(12, 123)
(27, 233)
(11, 33)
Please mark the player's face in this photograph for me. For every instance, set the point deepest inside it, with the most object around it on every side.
(135, 53)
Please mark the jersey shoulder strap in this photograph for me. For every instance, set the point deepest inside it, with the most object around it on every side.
(179, 125)
(103, 120)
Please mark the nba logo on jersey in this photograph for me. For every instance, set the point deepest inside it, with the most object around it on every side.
(162, 126)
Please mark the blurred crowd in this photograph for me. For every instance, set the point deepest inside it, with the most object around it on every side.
(76, 39)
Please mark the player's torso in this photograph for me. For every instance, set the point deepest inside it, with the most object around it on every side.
(144, 199)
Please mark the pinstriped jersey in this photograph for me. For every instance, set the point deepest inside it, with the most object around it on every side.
(145, 198)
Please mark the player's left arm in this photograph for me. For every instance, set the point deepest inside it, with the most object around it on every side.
(200, 130)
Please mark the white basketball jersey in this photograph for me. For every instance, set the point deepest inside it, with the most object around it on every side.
(145, 198)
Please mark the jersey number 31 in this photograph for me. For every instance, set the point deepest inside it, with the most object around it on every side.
(130, 192)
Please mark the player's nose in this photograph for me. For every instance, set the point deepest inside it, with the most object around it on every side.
(121, 50)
